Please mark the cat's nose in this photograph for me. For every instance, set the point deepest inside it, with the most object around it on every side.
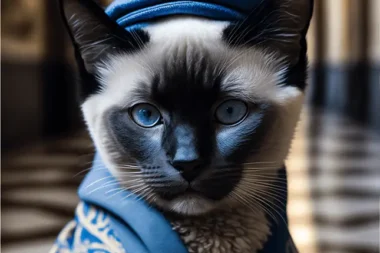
(189, 169)
(186, 159)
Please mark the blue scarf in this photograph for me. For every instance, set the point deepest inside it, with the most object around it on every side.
(111, 221)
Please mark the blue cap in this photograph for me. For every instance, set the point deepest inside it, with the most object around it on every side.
(132, 14)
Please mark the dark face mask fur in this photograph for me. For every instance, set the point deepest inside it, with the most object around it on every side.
(193, 115)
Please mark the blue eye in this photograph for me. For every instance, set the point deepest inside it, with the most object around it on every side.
(231, 112)
(145, 115)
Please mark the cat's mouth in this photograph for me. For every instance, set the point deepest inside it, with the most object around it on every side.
(186, 190)
(212, 189)
(194, 198)
(183, 198)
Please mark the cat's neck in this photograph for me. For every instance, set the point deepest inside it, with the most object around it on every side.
(238, 230)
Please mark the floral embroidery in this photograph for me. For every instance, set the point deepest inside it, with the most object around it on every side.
(90, 232)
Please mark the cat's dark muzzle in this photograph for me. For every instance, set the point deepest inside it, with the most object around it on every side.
(213, 186)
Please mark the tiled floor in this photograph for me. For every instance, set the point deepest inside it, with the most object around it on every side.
(334, 188)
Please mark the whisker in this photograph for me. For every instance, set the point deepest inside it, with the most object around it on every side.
(99, 180)
(129, 172)
(119, 190)
(233, 169)
(104, 186)
(263, 201)
(82, 171)
(263, 162)
(249, 203)
(130, 166)
(139, 192)
(263, 204)
(241, 176)
(263, 169)
(266, 184)
(275, 195)
(270, 178)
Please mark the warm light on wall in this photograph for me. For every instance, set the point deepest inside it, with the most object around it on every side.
(300, 209)
(374, 35)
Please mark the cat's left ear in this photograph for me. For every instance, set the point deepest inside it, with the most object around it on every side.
(277, 24)
(94, 35)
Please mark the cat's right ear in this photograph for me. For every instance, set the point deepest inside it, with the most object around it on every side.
(94, 35)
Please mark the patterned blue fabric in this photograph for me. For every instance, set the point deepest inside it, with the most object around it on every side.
(91, 231)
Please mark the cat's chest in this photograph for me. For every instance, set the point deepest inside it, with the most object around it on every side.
(233, 231)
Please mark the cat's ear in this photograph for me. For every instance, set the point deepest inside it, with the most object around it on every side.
(94, 35)
(278, 24)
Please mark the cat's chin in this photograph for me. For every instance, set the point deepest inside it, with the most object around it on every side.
(188, 204)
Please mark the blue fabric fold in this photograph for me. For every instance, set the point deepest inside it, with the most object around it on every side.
(132, 14)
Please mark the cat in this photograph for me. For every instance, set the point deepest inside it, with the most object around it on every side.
(196, 115)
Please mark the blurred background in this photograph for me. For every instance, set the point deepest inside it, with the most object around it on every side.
(334, 165)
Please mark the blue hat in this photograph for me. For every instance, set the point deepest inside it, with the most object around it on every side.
(132, 14)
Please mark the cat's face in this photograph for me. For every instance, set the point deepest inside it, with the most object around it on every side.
(190, 113)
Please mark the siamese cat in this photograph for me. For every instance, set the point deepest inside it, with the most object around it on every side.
(196, 115)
